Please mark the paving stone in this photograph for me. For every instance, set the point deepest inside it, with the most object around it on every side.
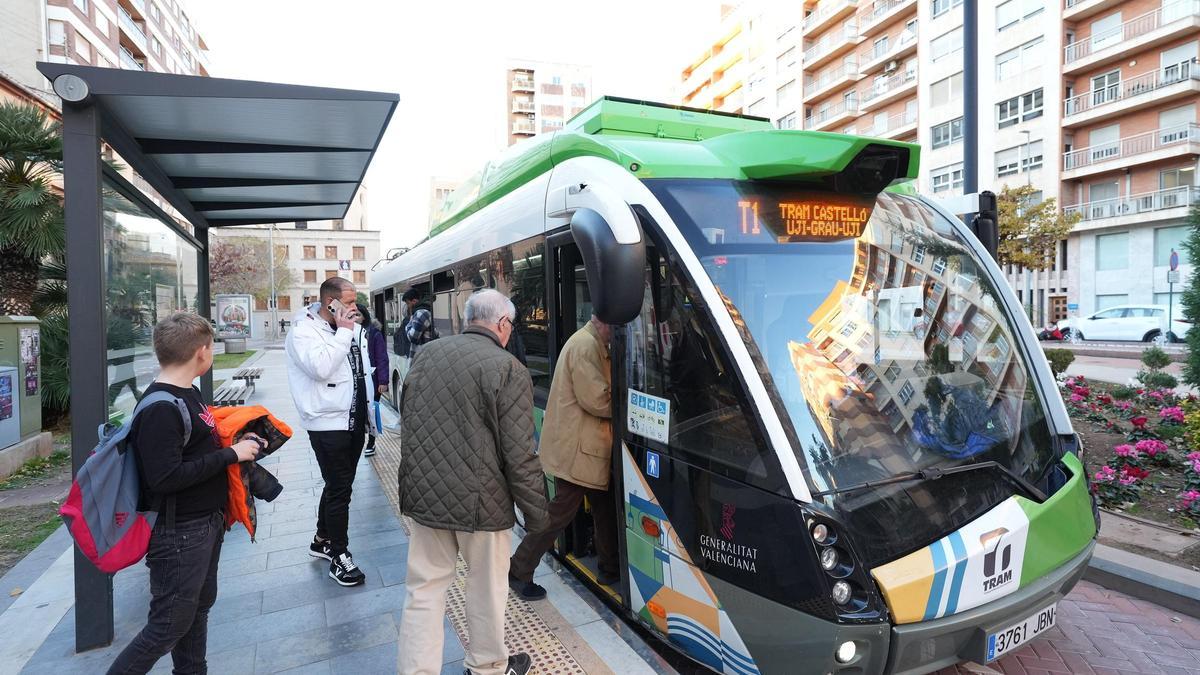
(324, 643)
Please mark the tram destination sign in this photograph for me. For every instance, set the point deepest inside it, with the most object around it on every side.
(793, 217)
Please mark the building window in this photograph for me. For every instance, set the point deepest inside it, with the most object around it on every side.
(947, 178)
(81, 5)
(880, 47)
(155, 12)
(156, 46)
(919, 254)
(940, 7)
(906, 392)
(785, 61)
(360, 276)
(301, 224)
(947, 44)
(1032, 156)
(331, 252)
(783, 95)
(850, 327)
(310, 253)
(310, 276)
(1012, 12)
(360, 252)
(947, 133)
(1112, 300)
(1167, 239)
(58, 34)
(1025, 157)
(946, 90)
(788, 121)
(1112, 251)
(1019, 109)
(329, 274)
(1019, 59)
(1062, 255)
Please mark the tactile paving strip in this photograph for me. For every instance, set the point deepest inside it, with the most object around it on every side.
(524, 630)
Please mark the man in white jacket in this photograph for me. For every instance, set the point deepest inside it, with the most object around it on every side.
(328, 373)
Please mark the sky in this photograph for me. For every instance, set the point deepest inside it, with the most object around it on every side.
(446, 60)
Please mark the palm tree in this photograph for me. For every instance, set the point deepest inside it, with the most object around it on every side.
(31, 210)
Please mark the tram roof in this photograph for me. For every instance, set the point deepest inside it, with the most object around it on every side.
(654, 140)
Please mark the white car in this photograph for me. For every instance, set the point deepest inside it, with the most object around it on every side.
(1139, 323)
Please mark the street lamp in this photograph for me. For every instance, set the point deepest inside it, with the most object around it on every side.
(274, 311)
(1028, 181)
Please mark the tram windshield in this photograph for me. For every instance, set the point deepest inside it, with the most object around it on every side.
(883, 341)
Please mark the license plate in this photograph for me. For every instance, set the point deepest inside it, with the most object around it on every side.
(1012, 637)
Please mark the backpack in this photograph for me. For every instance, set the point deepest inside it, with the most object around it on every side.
(101, 511)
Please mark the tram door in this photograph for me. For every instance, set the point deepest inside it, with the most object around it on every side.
(570, 310)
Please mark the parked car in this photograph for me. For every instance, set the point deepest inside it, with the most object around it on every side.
(1140, 323)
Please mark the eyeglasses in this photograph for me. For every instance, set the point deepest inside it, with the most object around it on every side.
(500, 323)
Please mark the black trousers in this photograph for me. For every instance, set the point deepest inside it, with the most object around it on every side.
(568, 497)
(183, 587)
(337, 454)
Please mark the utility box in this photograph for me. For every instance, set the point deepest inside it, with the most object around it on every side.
(21, 349)
(10, 407)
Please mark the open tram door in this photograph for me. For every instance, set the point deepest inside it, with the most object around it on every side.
(585, 273)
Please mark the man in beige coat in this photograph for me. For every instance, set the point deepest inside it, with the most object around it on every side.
(575, 448)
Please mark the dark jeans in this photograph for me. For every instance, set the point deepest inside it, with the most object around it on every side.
(567, 498)
(337, 455)
(183, 586)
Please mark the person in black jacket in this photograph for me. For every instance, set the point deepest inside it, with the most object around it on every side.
(191, 483)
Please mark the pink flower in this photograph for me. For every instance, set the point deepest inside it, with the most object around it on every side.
(1151, 447)
(1070, 382)
(1188, 498)
(1193, 456)
(1105, 474)
(1076, 398)
(1126, 451)
(1139, 422)
(1124, 405)
(1105, 399)
(1172, 414)
(1196, 466)
(1156, 395)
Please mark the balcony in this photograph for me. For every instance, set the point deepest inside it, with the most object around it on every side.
(835, 43)
(523, 128)
(519, 106)
(1176, 18)
(522, 84)
(874, 58)
(831, 78)
(131, 62)
(1152, 146)
(827, 12)
(1166, 204)
(880, 12)
(1180, 80)
(135, 31)
(833, 116)
(1078, 10)
(882, 92)
(897, 126)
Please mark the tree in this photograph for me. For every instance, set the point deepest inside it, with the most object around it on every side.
(1191, 301)
(238, 265)
(1028, 231)
(31, 210)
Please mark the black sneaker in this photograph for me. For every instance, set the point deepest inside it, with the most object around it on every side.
(343, 570)
(369, 452)
(518, 664)
(526, 590)
(320, 549)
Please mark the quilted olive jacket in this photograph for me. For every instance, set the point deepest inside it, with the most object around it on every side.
(467, 449)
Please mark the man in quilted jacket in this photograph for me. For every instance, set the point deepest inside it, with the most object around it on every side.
(467, 406)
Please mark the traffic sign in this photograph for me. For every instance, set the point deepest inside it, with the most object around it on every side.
(1072, 305)
(1173, 276)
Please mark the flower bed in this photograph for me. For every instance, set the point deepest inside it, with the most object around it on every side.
(1141, 448)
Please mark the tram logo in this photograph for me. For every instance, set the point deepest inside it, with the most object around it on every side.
(997, 551)
(727, 524)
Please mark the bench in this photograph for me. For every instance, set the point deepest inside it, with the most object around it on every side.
(248, 374)
(232, 393)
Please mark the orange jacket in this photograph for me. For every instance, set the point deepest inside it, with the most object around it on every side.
(232, 423)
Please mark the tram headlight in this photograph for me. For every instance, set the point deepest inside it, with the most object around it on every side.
(820, 533)
(841, 592)
(845, 652)
(829, 559)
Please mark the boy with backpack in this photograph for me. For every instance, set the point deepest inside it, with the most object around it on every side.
(183, 473)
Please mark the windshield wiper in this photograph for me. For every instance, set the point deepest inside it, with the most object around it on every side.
(934, 473)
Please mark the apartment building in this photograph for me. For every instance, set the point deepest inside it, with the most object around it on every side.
(439, 190)
(541, 97)
(154, 35)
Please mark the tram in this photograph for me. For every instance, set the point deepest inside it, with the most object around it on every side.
(837, 447)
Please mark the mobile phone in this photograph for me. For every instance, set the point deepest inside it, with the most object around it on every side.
(335, 305)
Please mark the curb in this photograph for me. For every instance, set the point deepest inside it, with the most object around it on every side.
(1173, 587)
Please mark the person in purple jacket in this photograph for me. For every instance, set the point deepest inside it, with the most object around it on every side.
(378, 353)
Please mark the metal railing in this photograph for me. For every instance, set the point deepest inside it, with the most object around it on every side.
(1136, 27)
(1145, 202)
(1142, 84)
(522, 107)
(849, 68)
(824, 10)
(846, 107)
(876, 12)
(520, 84)
(893, 123)
(138, 32)
(1188, 132)
(523, 128)
(883, 87)
(832, 40)
(874, 54)
(129, 61)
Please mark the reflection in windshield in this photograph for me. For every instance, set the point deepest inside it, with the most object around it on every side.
(889, 352)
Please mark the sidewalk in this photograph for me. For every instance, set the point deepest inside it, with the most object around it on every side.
(277, 610)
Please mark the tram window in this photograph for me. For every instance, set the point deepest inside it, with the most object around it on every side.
(673, 356)
(518, 271)
(583, 298)
(441, 314)
(469, 277)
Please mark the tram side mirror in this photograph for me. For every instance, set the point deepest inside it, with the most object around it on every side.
(615, 270)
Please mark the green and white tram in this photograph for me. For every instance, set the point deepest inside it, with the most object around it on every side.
(837, 446)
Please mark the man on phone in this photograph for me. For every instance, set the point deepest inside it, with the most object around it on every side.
(329, 377)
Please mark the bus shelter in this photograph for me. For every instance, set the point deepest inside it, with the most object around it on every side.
(152, 162)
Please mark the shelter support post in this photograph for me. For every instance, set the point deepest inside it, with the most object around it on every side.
(88, 342)
(204, 302)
